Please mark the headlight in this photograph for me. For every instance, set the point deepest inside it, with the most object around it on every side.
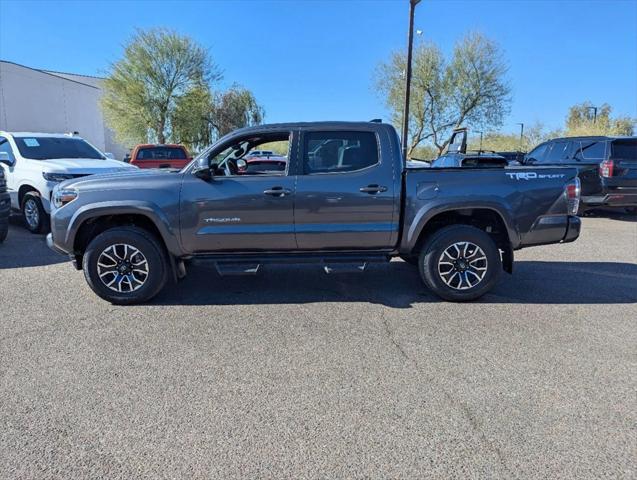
(57, 177)
(64, 196)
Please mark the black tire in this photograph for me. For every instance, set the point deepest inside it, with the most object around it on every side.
(631, 210)
(144, 242)
(35, 218)
(4, 230)
(459, 291)
(410, 259)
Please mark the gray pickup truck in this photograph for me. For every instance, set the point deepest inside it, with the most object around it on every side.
(342, 199)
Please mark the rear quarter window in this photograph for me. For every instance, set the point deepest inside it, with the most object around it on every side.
(624, 149)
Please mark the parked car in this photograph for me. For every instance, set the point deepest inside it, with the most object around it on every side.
(469, 159)
(262, 162)
(344, 201)
(35, 162)
(160, 156)
(5, 207)
(607, 167)
(512, 156)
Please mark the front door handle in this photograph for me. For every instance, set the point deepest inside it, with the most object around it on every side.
(373, 189)
(277, 192)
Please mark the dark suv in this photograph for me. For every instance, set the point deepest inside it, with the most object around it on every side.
(607, 168)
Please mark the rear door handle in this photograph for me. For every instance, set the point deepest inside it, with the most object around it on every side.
(277, 192)
(372, 189)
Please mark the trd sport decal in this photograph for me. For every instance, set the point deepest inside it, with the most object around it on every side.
(533, 175)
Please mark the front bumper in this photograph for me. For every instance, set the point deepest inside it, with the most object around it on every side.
(51, 244)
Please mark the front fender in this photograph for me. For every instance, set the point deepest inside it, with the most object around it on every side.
(139, 207)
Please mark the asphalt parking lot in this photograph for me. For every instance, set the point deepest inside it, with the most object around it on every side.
(295, 374)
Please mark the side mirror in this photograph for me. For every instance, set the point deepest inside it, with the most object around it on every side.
(205, 172)
(4, 158)
(109, 155)
(242, 165)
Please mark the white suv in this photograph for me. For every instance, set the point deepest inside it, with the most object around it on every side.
(35, 162)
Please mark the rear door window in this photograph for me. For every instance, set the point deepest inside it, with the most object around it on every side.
(588, 150)
(339, 152)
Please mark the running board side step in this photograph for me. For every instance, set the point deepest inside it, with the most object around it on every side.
(237, 268)
(249, 264)
(344, 267)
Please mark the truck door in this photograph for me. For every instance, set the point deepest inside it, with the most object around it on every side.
(345, 192)
(241, 208)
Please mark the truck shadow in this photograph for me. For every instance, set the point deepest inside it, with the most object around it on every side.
(24, 249)
(398, 285)
(613, 214)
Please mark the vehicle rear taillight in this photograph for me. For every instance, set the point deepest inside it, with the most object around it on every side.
(572, 191)
(606, 168)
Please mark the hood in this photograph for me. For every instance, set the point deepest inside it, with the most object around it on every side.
(129, 178)
(86, 166)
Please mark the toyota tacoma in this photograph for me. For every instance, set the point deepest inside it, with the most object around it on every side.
(344, 199)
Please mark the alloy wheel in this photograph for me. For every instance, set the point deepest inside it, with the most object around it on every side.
(122, 268)
(32, 213)
(462, 265)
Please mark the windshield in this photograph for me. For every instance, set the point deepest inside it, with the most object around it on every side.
(51, 148)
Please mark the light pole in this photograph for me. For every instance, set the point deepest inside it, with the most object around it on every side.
(594, 109)
(410, 42)
(480, 150)
(521, 134)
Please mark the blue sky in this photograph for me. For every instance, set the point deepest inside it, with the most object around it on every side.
(313, 60)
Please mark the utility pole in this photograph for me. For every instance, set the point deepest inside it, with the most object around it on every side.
(594, 113)
(480, 151)
(410, 42)
(521, 134)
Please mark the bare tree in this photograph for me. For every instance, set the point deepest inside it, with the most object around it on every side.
(468, 90)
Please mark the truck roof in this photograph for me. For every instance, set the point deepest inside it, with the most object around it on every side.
(38, 134)
(322, 124)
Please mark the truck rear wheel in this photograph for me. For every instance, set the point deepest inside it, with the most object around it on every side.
(125, 265)
(460, 263)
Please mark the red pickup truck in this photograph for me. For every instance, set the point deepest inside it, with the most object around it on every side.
(159, 156)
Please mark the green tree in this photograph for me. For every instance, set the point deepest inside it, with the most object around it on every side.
(161, 75)
(235, 108)
(581, 120)
(469, 89)
(511, 142)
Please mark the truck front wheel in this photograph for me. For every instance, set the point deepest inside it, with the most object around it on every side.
(460, 263)
(125, 265)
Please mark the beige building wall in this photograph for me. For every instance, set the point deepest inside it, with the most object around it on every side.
(37, 101)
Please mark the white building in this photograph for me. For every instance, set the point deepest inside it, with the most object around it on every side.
(35, 100)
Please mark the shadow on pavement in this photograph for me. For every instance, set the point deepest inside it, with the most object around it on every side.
(24, 249)
(612, 213)
(398, 285)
